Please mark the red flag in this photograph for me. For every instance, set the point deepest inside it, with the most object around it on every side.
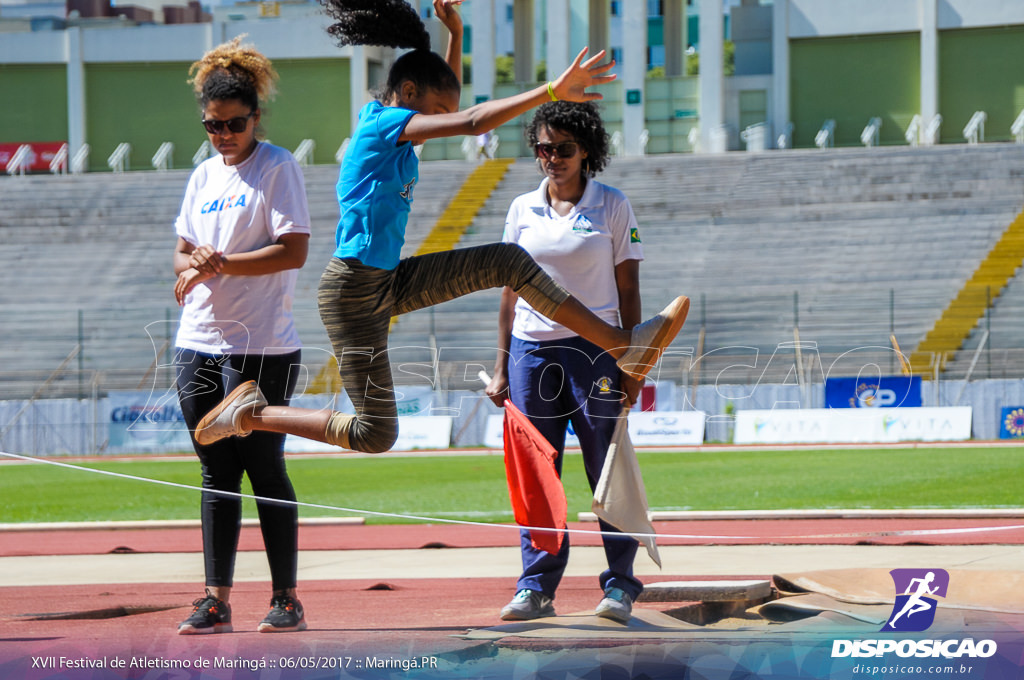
(538, 499)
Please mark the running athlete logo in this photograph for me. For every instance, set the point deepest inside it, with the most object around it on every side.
(913, 610)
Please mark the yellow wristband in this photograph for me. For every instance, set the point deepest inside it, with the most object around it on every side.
(551, 91)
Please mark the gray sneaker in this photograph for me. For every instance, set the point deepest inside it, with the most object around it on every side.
(528, 604)
(617, 605)
(226, 417)
(650, 338)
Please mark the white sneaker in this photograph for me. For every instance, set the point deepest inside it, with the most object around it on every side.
(617, 605)
(528, 604)
(226, 417)
(650, 338)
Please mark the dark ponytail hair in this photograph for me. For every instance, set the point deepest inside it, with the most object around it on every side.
(392, 23)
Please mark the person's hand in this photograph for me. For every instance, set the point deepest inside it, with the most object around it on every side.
(573, 83)
(446, 13)
(206, 260)
(497, 390)
(187, 280)
(630, 387)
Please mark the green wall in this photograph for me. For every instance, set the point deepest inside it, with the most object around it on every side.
(980, 70)
(851, 80)
(41, 113)
(312, 102)
(146, 104)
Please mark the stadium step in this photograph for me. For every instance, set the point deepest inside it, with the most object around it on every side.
(962, 314)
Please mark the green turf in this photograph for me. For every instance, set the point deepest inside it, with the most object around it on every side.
(473, 487)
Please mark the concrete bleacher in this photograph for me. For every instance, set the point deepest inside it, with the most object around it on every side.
(848, 245)
(88, 259)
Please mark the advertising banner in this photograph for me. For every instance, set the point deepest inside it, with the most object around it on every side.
(39, 159)
(850, 426)
(1011, 422)
(136, 423)
(646, 428)
(890, 391)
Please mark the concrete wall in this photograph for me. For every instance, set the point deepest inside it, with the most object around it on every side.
(852, 79)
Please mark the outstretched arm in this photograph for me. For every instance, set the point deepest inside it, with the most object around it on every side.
(572, 85)
(445, 11)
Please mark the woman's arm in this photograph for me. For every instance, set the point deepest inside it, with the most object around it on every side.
(571, 86)
(627, 281)
(195, 265)
(289, 252)
(445, 11)
(497, 389)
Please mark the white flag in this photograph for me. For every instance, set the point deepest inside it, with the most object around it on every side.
(620, 498)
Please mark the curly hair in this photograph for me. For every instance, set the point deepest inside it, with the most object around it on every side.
(582, 121)
(233, 71)
(392, 23)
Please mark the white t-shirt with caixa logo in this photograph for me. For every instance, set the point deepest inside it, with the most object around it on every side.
(579, 251)
(238, 209)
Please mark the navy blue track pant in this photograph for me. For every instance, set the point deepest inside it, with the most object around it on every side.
(556, 383)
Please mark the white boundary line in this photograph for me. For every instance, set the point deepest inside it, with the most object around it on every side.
(440, 520)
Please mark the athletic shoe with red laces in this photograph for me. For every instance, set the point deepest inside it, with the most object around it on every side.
(209, 615)
(285, 615)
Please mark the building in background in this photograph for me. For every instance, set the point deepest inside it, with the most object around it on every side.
(693, 75)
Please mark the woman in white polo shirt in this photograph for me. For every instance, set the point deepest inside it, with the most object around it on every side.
(243, 233)
(584, 235)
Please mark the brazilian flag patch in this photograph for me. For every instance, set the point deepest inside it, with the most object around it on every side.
(634, 235)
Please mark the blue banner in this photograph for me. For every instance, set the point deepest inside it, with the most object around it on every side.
(889, 391)
(1011, 423)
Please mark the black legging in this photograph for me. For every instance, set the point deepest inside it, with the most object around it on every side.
(203, 381)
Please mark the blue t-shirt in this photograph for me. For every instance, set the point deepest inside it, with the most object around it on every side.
(375, 187)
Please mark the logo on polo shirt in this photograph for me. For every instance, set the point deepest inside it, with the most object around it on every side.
(583, 224)
(634, 235)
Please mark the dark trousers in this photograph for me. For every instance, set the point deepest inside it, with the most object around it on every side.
(556, 384)
(203, 381)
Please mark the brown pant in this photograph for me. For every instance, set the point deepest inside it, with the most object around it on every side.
(356, 305)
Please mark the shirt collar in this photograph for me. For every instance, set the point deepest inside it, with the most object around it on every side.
(593, 195)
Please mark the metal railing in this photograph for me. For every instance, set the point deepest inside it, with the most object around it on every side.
(826, 135)
(304, 152)
(20, 161)
(1017, 129)
(339, 155)
(914, 130)
(164, 156)
(120, 157)
(974, 131)
(869, 136)
(755, 136)
(59, 162)
(202, 153)
(80, 161)
(785, 139)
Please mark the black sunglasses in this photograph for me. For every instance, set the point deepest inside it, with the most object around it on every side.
(236, 125)
(562, 150)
